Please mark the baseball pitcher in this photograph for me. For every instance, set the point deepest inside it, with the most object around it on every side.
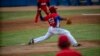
(54, 21)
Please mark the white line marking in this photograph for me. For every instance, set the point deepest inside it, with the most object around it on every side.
(91, 14)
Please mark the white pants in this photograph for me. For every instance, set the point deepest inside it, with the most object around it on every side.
(52, 31)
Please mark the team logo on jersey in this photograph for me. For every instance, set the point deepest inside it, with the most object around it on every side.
(51, 21)
(43, 3)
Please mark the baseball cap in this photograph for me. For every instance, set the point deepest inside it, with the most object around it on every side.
(63, 41)
(52, 8)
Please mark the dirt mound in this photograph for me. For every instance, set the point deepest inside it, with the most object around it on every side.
(86, 19)
(24, 50)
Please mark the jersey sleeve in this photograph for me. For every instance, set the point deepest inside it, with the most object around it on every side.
(46, 18)
(58, 21)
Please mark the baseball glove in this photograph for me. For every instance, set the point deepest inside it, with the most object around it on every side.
(69, 21)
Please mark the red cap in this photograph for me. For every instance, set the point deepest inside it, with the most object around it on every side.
(63, 42)
(52, 9)
(63, 38)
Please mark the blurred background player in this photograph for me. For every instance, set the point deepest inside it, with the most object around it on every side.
(64, 45)
(54, 21)
(42, 5)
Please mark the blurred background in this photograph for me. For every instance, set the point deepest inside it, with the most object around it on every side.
(9, 3)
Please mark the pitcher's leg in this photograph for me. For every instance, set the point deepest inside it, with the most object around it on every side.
(70, 37)
(42, 38)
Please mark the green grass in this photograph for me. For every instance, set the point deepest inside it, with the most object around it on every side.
(91, 51)
(80, 31)
(44, 54)
(85, 31)
(73, 12)
(13, 15)
(18, 37)
(85, 52)
(30, 14)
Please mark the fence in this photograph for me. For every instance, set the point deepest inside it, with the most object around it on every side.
(52, 2)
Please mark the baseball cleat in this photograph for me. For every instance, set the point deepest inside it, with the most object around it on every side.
(31, 42)
(78, 45)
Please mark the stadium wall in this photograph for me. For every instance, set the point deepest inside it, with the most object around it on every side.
(11, 3)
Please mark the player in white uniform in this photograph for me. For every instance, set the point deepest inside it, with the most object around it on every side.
(54, 21)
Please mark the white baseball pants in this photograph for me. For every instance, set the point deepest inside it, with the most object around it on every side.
(52, 31)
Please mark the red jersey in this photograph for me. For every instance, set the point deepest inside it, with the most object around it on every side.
(43, 4)
(43, 1)
(68, 52)
(52, 19)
